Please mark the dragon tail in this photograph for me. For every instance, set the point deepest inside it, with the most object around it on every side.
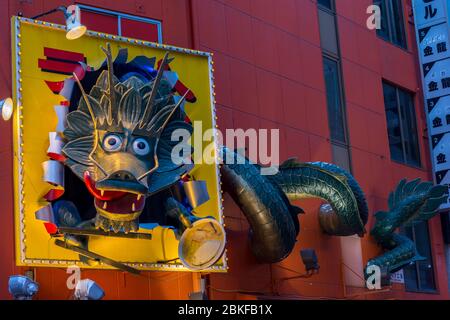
(403, 251)
(411, 202)
(264, 200)
(416, 201)
(332, 184)
(270, 216)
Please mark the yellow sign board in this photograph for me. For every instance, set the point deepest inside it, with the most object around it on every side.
(41, 61)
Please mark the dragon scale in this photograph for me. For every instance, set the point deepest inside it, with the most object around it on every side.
(410, 203)
(119, 146)
(274, 224)
(330, 183)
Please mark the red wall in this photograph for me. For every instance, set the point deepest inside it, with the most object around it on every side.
(269, 74)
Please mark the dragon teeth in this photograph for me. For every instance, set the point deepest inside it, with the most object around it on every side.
(98, 222)
(115, 226)
(106, 226)
(105, 205)
(126, 227)
(133, 207)
(134, 226)
(139, 197)
(102, 192)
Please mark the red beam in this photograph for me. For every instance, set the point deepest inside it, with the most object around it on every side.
(57, 66)
(52, 53)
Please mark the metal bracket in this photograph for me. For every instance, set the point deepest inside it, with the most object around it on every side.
(95, 232)
(95, 256)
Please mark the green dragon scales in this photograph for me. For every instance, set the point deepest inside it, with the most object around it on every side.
(273, 220)
(410, 203)
(264, 200)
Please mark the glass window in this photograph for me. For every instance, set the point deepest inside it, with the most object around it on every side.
(419, 276)
(341, 156)
(392, 22)
(398, 28)
(334, 100)
(445, 223)
(383, 32)
(328, 36)
(122, 24)
(393, 122)
(329, 4)
(401, 125)
(409, 128)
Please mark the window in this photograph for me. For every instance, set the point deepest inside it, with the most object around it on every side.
(334, 100)
(336, 113)
(122, 24)
(445, 223)
(328, 29)
(419, 276)
(333, 84)
(401, 124)
(329, 4)
(392, 22)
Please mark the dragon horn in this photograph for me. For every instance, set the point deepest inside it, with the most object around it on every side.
(85, 97)
(111, 93)
(158, 138)
(151, 99)
(160, 130)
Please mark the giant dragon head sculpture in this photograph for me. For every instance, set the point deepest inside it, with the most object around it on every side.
(119, 143)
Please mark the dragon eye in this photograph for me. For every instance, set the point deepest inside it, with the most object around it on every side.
(141, 147)
(112, 142)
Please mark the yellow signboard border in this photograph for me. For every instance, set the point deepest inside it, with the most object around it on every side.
(18, 163)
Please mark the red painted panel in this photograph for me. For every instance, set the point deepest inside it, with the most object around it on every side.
(211, 24)
(243, 86)
(294, 104)
(311, 69)
(100, 22)
(239, 32)
(316, 112)
(287, 17)
(269, 95)
(265, 53)
(139, 30)
(289, 56)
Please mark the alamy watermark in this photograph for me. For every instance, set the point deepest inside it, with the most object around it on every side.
(261, 146)
(74, 278)
(374, 20)
(373, 281)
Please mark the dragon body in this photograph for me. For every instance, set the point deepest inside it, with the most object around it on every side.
(411, 202)
(265, 201)
(119, 144)
(332, 184)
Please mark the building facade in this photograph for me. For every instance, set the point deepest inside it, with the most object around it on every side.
(337, 91)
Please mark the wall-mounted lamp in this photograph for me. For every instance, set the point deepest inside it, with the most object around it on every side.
(22, 287)
(309, 259)
(311, 263)
(6, 108)
(72, 14)
(88, 290)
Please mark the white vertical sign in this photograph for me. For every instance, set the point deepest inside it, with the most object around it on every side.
(432, 31)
